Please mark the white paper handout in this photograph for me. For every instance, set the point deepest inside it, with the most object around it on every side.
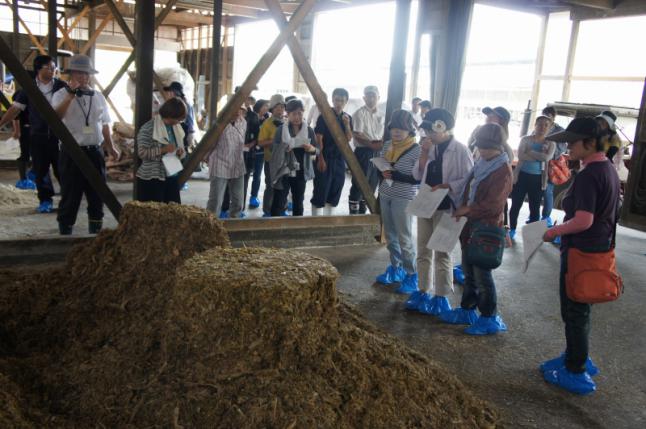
(172, 164)
(532, 240)
(446, 233)
(382, 165)
(426, 201)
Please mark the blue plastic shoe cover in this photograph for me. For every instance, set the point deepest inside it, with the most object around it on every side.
(512, 234)
(557, 241)
(224, 214)
(31, 175)
(254, 203)
(459, 316)
(408, 285)
(285, 213)
(265, 214)
(487, 326)
(414, 300)
(290, 206)
(184, 187)
(458, 274)
(436, 306)
(242, 215)
(387, 277)
(581, 384)
(25, 184)
(550, 222)
(559, 362)
(45, 207)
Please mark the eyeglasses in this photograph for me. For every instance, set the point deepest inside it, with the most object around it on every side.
(50, 68)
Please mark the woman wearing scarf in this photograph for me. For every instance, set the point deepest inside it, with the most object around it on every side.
(161, 135)
(444, 163)
(485, 195)
(292, 160)
(395, 192)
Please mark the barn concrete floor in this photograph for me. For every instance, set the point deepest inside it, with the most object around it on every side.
(504, 368)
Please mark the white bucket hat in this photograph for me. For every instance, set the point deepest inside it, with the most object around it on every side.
(81, 63)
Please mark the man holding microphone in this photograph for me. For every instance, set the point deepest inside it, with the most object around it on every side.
(85, 114)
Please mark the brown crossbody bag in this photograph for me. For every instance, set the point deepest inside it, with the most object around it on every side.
(592, 277)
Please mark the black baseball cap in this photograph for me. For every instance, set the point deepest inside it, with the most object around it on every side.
(437, 114)
(499, 111)
(578, 129)
(176, 87)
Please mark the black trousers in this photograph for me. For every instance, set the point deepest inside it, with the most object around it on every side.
(356, 198)
(576, 316)
(328, 185)
(297, 186)
(25, 152)
(45, 153)
(161, 191)
(531, 185)
(74, 185)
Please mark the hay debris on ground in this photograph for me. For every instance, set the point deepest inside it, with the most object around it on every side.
(12, 199)
(161, 324)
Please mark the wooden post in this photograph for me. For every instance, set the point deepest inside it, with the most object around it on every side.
(397, 78)
(15, 39)
(419, 31)
(538, 70)
(52, 29)
(569, 66)
(145, 54)
(629, 215)
(215, 61)
(91, 29)
(231, 108)
(40, 103)
(315, 89)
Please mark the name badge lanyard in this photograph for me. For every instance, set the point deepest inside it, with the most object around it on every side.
(89, 110)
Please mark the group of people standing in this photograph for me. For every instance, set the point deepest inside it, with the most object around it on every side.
(273, 138)
(479, 179)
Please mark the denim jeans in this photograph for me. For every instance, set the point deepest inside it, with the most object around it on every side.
(399, 234)
(479, 289)
(258, 163)
(530, 185)
(576, 316)
(548, 200)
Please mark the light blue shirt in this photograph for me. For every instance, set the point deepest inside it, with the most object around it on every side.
(533, 167)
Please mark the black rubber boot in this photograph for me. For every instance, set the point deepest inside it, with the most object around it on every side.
(65, 229)
(94, 226)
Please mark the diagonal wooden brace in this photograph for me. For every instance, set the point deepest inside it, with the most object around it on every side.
(38, 101)
(211, 137)
(325, 109)
(133, 41)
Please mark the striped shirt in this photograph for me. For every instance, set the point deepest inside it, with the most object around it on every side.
(404, 165)
(226, 160)
(150, 152)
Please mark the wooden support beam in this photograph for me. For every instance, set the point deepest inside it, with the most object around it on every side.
(595, 4)
(33, 38)
(144, 59)
(538, 69)
(51, 29)
(39, 102)
(569, 66)
(15, 39)
(397, 77)
(158, 21)
(211, 137)
(97, 32)
(419, 32)
(315, 89)
(215, 61)
(633, 213)
(118, 17)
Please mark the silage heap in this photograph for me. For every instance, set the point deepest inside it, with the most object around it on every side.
(161, 324)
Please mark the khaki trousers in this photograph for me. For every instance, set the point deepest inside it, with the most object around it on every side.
(442, 278)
